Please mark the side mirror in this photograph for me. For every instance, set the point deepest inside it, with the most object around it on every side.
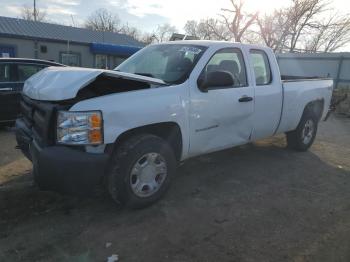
(215, 79)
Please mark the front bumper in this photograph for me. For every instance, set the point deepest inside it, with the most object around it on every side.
(61, 168)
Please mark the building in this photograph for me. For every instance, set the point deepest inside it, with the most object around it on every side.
(64, 44)
(334, 65)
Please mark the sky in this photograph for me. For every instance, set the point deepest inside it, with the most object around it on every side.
(144, 14)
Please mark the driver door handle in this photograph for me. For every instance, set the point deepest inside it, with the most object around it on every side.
(245, 99)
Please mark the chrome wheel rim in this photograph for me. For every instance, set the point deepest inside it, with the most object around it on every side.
(308, 131)
(148, 174)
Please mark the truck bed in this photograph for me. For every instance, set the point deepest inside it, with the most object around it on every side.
(297, 92)
(288, 78)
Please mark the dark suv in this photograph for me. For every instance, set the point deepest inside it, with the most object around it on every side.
(13, 73)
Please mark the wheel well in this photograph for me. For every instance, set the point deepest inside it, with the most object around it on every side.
(169, 131)
(316, 107)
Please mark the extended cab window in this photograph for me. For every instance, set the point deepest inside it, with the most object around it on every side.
(261, 66)
(229, 60)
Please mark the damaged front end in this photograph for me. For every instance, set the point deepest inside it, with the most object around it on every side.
(60, 84)
(55, 90)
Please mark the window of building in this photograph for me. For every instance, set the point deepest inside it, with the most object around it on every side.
(101, 61)
(229, 60)
(7, 51)
(43, 49)
(70, 58)
(261, 66)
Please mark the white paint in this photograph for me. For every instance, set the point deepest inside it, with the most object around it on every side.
(208, 121)
(60, 83)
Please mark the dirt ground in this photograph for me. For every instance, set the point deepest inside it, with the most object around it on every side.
(259, 202)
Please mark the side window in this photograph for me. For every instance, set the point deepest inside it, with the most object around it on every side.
(4, 73)
(229, 60)
(24, 71)
(261, 66)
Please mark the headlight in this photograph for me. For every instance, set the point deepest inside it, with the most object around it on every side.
(80, 128)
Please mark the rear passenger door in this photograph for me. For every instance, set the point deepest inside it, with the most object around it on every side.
(268, 93)
(222, 116)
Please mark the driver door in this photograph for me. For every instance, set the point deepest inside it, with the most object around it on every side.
(221, 116)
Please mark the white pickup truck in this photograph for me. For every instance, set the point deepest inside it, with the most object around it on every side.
(128, 128)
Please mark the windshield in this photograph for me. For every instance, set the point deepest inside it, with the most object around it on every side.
(171, 63)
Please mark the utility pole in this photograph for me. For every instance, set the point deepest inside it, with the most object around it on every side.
(34, 12)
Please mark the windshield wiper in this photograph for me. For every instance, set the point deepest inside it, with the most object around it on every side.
(145, 74)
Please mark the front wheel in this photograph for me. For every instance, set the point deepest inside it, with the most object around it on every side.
(304, 135)
(141, 170)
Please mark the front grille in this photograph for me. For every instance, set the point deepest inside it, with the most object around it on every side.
(38, 116)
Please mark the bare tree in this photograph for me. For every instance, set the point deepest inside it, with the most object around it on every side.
(163, 33)
(207, 29)
(303, 27)
(103, 20)
(302, 16)
(330, 34)
(131, 31)
(160, 34)
(274, 29)
(147, 38)
(237, 20)
(232, 25)
(27, 13)
(191, 28)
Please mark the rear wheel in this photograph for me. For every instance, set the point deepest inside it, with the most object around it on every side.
(304, 135)
(141, 170)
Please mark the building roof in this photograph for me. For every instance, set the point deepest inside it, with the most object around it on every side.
(15, 27)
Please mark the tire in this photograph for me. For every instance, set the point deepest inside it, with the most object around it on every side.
(304, 135)
(140, 171)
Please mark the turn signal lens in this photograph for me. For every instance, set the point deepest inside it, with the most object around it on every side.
(95, 121)
(95, 136)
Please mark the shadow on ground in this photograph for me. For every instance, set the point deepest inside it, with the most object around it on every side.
(259, 202)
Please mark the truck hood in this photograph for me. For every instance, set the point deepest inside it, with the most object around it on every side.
(62, 83)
